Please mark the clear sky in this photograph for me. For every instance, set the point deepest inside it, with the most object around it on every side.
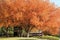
(57, 2)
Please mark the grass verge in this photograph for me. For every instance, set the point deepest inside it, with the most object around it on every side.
(48, 37)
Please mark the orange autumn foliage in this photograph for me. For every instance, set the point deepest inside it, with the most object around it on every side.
(54, 22)
(42, 14)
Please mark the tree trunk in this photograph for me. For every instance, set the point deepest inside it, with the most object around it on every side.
(28, 34)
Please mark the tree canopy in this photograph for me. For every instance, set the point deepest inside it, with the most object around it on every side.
(29, 14)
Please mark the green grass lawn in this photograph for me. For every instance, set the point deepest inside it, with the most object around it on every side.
(49, 37)
(19, 38)
(31, 38)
